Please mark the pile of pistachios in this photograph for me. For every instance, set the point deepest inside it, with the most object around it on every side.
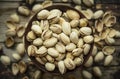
(69, 43)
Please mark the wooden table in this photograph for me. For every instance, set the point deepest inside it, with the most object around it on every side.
(8, 7)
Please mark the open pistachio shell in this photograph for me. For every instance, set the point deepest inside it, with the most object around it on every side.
(99, 25)
(88, 13)
(22, 66)
(110, 21)
(15, 68)
(108, 50)
(9, 42)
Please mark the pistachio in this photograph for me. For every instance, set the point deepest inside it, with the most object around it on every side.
(109, 40)
(43, 14)
(60, 47)
(46, 34)
(112, 33)
(89, 62)
(5, 60)
(15, 68)
(37, 74)
(77, 1)
(36, 29)
(99, 57)
(88, 3)
(47, 3)
(10, 32)
(74, 37)
(31, 50)
(60, 57)
(87, 74)
(74, 23)
(37, 7)
(20, 48)
(20, 31)
(108, 60)
(24, 10)
(16, 56)
(50, 42)
(9, 42)
(61, 67)
(42, 51)
(88, 13)
(78, 7)
(40, 61)
(117, 35)
(105, 33)
(110, 21)
(11, 25)
(86, 49)
(88, 39)
(69, 55)
(98, 14)
(22, 67)
(64, 38)
(95, 50)
(97, 71)
(85, 30)
(78, 61)
(77, 52)
(49, 58)
(56, 28)
(99, 25)
(15, 18)
(108, 50)
(37, 42)
(66, 28)
(70, 47)
(83, 22)
(49, 66)
(80, 42)
(31, 36)
(53, 52)
(77, 31)
(69, 64)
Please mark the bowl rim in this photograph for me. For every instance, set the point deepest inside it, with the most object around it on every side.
(26, 43)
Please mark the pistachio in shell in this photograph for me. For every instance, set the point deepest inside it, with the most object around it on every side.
(15, 68)
(14, 18)
(49, 66)
(24, 10)
(20, 31)
(22, 67)
(5, 60)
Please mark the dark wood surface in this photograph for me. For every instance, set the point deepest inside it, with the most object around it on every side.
(8, 7)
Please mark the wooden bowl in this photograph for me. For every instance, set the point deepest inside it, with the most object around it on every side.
(63, 8)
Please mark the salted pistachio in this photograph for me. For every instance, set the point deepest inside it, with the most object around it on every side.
(117, 35)
(24, 10)
(49, 58)
(9, 42)
(56, 36)
(14, 18)
(37, 7)
(64, 38)
(53, 52)
(61, 20)
(88, 13)
(47, 3)
(109, 40)
(77, 31)
(83, 22)
(22, 67)
(15, 68)
(108, 60)
(108, 50)
(88, 39)
(36, 29)
(97, 71)
(73, 14)
(99, 25)
(30, 2)
(11, 25)
(38, 42)
(10, 32)
(54, 20)
(98, 14)
(5, 60)
(69, 64)
(20, 48)
(43, 14)
(77, 1)
(74, 37)
(78, 61)
(60, 47)
(86, 48)
(56, 28)
(112, 33)
(31, 50)
(69, 55)
(61, 67)
(49, 66)
(30, 36)
(110, 21)
(80, 43)
(97, 38)
(87, 74)
(70, 47)
(99, 57)
(74, 23)
(44, 24)
(37, 74)
(46, 34)
(66, 28)
(20, 31)
(42, 51)
(16, 56)
(50, 42)
(95, 50)
(40, 61)
(77, 52)
(60, 57)
(85, 30)
(105, 33)
(89, 62)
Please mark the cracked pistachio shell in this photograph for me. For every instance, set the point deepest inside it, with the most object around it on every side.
(99, 57)
(83, 22)
(99, 25)
(72, 14)
(38, 42)
(20, 48)
(37, 7)
(15, 68)
(43, 14)
(69, 64)
(112, 33)
(56, 36)
(70, 47)
(88, 39)
(89, 62)
(110, 21)
(50, 42)
(60, 47)
(46, 34)
(60, 57)
(42, 51)
(85, 30)
(31, 50)
(87, 74)
(74, 23)
(36, 29)
(16, 56)
(86, 49)
(108, 50)
(11, 25)
(22, 67)
(109, 40)
(49, 66)
(88, 3)
(97, 71)
(88, 13)
(98, 14)
(74, 37)
(80, 43)
(50, 58)
(10, 32)
(9, 42)
(56, 28)
(53, 52)
(108, 60)
(77, 52)
(105, 33)
(66, 28)
(15, 18)
(61, 67)
(64, 38)
(24, 10)
(30, 36)
(78, 61)
(20, 31)
(5, 60)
